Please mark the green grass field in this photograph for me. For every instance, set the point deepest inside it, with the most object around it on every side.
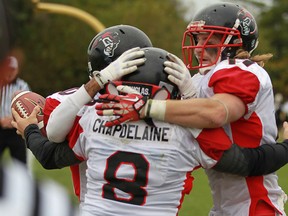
(198, 202)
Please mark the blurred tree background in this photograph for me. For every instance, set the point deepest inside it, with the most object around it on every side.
(273, 25)
(52, 47)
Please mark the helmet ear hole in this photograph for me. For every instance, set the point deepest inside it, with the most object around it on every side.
(162, 94)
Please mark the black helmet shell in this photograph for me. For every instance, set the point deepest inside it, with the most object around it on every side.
(109, 44)
(152, 71)
(225, 15)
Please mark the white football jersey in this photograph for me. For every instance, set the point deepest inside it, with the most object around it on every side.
(234, 195)
(137, 169)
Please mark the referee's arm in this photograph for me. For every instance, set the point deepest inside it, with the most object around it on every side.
(50, 155)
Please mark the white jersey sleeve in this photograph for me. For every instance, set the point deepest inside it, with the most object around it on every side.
(62, 118)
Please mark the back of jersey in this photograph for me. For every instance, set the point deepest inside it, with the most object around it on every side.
(133, 168)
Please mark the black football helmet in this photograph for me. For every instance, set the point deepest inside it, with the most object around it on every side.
(150, 79)
(235, 26)
(109, 44)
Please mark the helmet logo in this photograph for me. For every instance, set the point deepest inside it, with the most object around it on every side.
(246, 24)
(110, 41)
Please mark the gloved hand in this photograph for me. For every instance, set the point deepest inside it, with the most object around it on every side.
(125, 64)
(128, 107)
(180, 75)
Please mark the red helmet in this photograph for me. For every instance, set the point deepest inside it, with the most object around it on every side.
(233, 24)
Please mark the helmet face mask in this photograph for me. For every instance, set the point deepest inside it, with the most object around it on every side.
(234, 26)
(109, 44)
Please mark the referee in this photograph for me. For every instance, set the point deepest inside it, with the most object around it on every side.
(8, 137)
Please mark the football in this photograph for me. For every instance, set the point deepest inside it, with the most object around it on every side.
(25, 101)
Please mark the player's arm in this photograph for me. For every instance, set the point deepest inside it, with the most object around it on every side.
(262, 160)
(194, 113)
(210, 112)
(62, 118)
(199, 112)
(50, 155)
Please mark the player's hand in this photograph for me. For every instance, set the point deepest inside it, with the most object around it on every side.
(125, 64)
(128, 107)
(180, 75)
(285, 130)
(21, 123)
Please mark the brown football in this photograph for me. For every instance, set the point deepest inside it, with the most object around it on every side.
(24, 103)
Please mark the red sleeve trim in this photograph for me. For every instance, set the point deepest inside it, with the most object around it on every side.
(214, 142)
(50, 105)
(236, 81)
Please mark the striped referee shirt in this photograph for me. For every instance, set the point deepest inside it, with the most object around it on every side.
(7, 92)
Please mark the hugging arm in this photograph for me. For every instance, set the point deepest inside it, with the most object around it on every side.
(262, 160)
(50, 155)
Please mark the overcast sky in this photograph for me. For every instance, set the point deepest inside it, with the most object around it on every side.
(195, 5)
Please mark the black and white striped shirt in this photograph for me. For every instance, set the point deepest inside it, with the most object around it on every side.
(7, 92)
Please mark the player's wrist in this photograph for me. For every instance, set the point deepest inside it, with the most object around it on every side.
(155, 109)
(92, 88)
(100, 78)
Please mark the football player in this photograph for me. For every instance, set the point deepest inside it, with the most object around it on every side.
(112, 53)
(234, 91)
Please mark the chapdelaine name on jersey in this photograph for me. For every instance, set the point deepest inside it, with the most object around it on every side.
(132, 131)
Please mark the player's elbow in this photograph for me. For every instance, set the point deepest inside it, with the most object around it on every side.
(54, 135)
(48, 166)
(56, 138)
(219, 118)
(219, 114)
